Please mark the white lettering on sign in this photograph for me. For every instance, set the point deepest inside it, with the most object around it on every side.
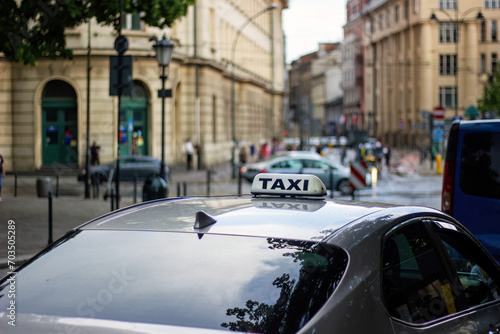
(279, 184)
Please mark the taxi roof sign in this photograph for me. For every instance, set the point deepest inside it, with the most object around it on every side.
(296, 185)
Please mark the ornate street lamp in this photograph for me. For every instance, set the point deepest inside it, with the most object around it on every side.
(164, 50)
(233, 103)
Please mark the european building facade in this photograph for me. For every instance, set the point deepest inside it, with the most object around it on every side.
(421, 54)
(43, 109)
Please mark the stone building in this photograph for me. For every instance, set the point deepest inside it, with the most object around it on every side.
(422, 54)
(357, 122)
(43, 109)
(308, 91)
(326, 90)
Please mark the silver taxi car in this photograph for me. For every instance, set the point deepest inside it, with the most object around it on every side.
(284, 260)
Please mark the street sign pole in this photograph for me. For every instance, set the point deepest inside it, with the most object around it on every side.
(120, 84)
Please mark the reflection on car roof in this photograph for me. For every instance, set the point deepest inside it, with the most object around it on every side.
(290, 218)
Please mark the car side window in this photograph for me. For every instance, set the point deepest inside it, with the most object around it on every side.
(416, 288)
(474, 271)
(314, 164)
(287, 164)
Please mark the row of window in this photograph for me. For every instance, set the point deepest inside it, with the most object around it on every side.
(385, 19)
(491, 4)
(448, 31)
(448, 64)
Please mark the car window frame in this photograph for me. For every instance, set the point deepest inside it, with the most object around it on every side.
(429, 224)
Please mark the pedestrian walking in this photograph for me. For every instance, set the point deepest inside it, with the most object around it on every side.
(95, 150)
(265, 151)
(2, 175)
(135, 150)
(387, 155)
(189, 153)
(243, 155)
(343, 155)
(252, 152)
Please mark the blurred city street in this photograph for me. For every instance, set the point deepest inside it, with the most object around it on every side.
(408, 183)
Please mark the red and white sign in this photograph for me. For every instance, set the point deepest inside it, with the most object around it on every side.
(439, 112)
(358, 175)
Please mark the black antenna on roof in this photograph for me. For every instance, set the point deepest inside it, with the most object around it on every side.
(203, 219)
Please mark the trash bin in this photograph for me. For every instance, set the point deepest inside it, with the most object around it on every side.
(154, 187)
(43, 186)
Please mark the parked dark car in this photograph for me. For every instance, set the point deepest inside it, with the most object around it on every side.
(130, 168)
(471, 179)
(284, 260)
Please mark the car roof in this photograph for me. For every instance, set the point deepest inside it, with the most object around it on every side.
(287, 218)
(480, 125)
(308, 154)
(291, 155)
(304, 155)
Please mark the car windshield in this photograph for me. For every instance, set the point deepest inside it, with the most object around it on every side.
(248, 284)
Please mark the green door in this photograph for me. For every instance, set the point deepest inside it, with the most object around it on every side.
(59, 133)
(133, 127)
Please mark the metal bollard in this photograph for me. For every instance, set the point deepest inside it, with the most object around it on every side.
(15, 184)
(57, 184)
(135, 189)
(439, 164)
(50, 217)
(185, 188)
(95, 186)
(209, 179)
(112, 198)
(178, 189)
(239, 182)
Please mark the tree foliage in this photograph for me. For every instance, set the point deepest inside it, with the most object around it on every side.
(30, 29)
(491, 95)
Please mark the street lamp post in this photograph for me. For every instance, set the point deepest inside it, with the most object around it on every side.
(164, 50)
(233, 82)
(457, 21)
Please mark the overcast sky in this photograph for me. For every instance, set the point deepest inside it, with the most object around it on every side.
(309, 22)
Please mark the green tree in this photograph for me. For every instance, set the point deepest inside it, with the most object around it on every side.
(30, 29)
(491, 95)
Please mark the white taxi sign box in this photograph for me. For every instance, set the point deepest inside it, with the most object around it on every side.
(295, 185)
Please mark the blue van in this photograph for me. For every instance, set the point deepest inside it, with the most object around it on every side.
(471, 179)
